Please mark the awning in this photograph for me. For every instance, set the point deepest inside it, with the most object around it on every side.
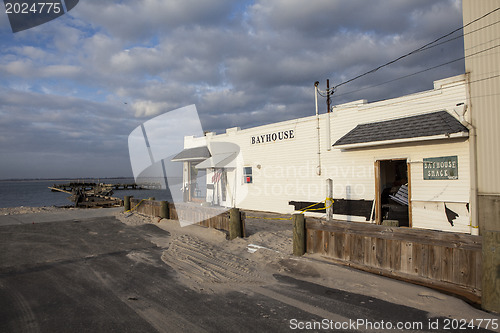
(430, 126)
(223, 155)
(192, 154)
(225, 160)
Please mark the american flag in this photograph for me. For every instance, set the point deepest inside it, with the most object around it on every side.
(216, 177)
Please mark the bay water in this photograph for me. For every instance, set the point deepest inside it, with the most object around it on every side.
(36, 193)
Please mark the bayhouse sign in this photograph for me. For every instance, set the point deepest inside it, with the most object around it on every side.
(441, 167)
(273, 137)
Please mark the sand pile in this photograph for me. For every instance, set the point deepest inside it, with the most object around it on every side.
(207, 262)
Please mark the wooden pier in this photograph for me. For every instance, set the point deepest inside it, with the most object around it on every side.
(89, 186)
(88, 195)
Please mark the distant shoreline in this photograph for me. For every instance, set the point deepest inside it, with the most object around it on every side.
(31, 210)
(59, 179)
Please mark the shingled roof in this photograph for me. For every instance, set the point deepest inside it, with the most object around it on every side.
(424, 125)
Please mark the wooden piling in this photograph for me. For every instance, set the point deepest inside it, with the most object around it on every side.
(126, 202)
(491, 271)
(329, 200)
(164, 213)
(234, 223)
(299, 235)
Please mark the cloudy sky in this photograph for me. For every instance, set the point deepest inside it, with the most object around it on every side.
(73, 89)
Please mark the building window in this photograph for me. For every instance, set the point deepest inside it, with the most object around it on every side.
(247, 175)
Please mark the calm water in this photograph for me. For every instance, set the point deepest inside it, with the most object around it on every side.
(35, 193)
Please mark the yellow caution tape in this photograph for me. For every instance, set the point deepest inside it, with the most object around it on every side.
(301, 211)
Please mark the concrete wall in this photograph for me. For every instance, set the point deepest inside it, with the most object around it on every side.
(483, 66)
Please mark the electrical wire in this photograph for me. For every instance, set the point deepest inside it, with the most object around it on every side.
(432, 46)
(422, 48)
(419, 72)
(385, 105)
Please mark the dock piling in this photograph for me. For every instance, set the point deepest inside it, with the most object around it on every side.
(164, 213)
(299, 235)
(235, 229)
(126, 203)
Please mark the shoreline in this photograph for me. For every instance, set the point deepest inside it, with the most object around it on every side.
(32, 210)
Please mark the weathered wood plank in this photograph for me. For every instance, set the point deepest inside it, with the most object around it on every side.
(430, 237)
(370, 251)
(318, 248)
(393, 253)
(330, 239)
(339, 247)
(447, 264)
(326, 242)
(462, 262)
(347, 247)
(380, 256)
(356, 248)
(417, 260)
(435, 257)
(407, 257)
(425, 260)
(309, 242)
(470, 294)
(478, 269)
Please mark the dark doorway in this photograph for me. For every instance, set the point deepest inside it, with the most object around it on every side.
(392, 191)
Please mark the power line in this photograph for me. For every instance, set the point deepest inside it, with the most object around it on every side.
(420, 72)
(460, 36)
(340, 107)
(426, 46)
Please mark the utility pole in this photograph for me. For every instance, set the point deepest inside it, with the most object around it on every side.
(318, 168)
(328, 130)
(328, 95)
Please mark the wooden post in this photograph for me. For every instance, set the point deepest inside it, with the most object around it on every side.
(234, 223)
(329, 200)
(491, 271)
(126, 203)
(243, 217)
(164, 213)
(299, 235)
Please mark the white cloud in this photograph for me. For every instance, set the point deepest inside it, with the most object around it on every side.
(149, 108)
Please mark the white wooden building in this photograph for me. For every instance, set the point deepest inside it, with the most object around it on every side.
(404, 159)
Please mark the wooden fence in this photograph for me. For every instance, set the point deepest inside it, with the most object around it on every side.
(146, 207)
(447, 261)
(210, 217)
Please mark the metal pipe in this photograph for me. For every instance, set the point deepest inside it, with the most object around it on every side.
(473, 164)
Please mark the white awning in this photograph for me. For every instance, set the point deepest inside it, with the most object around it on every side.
(223, 160)
(192, 154)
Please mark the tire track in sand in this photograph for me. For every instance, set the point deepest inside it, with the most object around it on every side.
(198, 262)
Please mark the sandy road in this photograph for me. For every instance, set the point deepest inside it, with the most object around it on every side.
(135, 274)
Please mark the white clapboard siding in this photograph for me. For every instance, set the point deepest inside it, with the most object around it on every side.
(286, 170)
(432, 215)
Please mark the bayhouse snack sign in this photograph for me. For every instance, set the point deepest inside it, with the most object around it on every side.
(441, 168)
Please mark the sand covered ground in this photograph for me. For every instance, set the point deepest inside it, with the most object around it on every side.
(203, 263)
(207, 262)
(29, 210)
